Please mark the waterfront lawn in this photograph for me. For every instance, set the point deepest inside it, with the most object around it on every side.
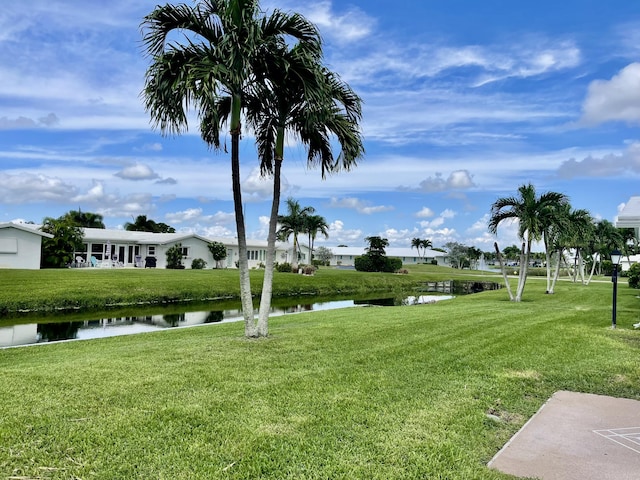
(418, 392)
(96, 288)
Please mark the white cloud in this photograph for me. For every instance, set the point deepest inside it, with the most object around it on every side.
(338, 235)
(358, 205)
(612, 164)
(32, 188)
(352, 25)
(617, 99)
(457, 180)
(426, 212)
(195, 215)
(137, 172)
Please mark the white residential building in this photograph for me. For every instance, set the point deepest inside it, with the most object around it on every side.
(345, 256)
(21, 245)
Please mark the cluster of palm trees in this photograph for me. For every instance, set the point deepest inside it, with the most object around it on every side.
(550, 219)
(232, 62)
(419, 243)
(300, 220)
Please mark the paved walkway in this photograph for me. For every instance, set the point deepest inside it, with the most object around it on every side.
(576, 436)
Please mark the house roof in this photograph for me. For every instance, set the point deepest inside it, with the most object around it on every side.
(26, 227)
(150, 238)
(629, 217)
(389, 251)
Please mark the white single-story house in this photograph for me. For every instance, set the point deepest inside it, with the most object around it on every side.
(629, 217)
(21, 246)
(134, 249)
(345, 256)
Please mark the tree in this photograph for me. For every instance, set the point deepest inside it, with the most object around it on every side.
(324, 255)
(144, 224)
(222, 62)
(474, 255)
(311, 103)
(417, 244)
(375, 260)
(606, 238)
(376, 252)
(457, 253)
(316, 224)
(293, 223)
(218, 252)
(85, 219)
(532, 213)
(57, 252)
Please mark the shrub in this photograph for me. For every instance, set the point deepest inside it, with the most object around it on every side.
(283, 267)
(403, 271)
(363, 263)
(607, 268)
(391, 264)
(634, 275)
(198, 264)
(174, 256)
(309, 269)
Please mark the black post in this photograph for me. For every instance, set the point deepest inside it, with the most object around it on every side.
(614, 279)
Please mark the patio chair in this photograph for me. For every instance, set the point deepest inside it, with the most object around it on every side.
(94, 261)
(80, 262)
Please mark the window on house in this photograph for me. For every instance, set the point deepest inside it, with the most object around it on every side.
(185, 252)
(151, 249)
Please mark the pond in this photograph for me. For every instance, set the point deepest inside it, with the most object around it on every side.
(19, 332)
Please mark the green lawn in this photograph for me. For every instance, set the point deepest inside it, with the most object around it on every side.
(359, 393)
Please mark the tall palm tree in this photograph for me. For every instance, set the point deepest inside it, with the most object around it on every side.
(307, 101)
(226, 47)
(293, 223)
(605, 238)
(531, 211)
(316, 224)
(417, 244)
(579, 235)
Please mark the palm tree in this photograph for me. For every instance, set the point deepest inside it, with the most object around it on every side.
(293, 223)
(316, 224)
(311, 103)
(417, 244)
(579, 234)
(141, 224)
(85, 219)
(532, 213)
(606, 237)
(227, 48)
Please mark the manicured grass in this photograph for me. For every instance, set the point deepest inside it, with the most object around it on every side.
(360, 393)
(46, 290)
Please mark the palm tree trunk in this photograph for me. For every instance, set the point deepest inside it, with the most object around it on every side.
(243, 262)
(524, 265)
(504, 271)
(267, 284)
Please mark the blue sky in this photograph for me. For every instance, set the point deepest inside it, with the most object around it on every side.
(463, 102)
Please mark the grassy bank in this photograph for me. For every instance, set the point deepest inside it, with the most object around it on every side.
(360, 393)
(84, 289)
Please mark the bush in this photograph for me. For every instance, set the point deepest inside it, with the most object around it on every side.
(403, 271)
(174, 256)
(363, 263)
(308, 269)
(392, 264)
(607, 268)
(283, 267)
(634, 275)
(198, 264)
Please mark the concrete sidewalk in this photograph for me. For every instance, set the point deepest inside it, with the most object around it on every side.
(576, 436)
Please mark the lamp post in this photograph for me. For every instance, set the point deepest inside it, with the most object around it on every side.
(616, 256)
